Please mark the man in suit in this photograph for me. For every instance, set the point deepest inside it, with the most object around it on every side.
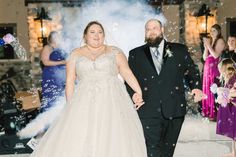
(161, 68)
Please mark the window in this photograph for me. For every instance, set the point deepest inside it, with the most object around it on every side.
(230, 26)
(6, 51)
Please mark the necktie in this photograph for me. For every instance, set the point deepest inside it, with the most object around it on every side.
(156, 53)
(157, 60)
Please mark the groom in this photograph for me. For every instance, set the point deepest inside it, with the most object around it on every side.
(161, 67)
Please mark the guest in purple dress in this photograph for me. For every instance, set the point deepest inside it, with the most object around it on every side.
(54, 73)
(213, 48)
(226, 117)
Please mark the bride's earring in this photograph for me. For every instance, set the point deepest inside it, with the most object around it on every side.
(82, 42)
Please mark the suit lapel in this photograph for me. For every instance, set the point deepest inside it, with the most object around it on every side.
(149, 56)
(164, 57)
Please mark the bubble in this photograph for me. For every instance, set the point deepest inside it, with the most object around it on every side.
(12, 125)
(19, 50)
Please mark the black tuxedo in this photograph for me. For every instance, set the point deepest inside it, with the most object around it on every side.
(163, 94)
(229, 54)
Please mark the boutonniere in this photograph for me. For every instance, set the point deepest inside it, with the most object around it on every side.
(169, 53)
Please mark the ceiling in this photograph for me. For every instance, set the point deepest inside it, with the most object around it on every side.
(79, 2)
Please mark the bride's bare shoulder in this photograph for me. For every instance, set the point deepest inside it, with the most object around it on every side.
(115, 49)
(112, 48)
(77, 52)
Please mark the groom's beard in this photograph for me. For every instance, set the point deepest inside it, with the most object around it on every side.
(154, 42)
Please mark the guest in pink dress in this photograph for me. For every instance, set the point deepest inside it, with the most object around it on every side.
(213, 48)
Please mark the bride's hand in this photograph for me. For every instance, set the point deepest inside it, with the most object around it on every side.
(136, 97)
(138, 100)
(138, 105)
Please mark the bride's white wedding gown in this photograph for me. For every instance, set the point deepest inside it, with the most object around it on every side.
(100, 120)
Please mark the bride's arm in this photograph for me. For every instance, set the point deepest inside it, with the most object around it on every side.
(127, 74)
(129, 78)
(220, 45)
(70, 77)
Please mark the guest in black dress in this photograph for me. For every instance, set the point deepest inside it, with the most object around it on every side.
(230, 52)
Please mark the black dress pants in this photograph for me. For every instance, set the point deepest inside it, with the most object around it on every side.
(161, 135)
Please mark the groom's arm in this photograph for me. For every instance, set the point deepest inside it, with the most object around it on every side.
(192, 75)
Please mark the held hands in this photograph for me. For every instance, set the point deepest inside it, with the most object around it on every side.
(198, 95)
(206, 42)
(138, 100)
(232, 95)
(223, 96)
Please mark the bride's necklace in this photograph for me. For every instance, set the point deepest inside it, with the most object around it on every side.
(96, 53)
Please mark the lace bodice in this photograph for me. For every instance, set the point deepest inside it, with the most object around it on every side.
(103, 67)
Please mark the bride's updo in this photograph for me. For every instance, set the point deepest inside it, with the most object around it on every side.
(93, 23)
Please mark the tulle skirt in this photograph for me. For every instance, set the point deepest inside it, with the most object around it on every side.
(99, 121)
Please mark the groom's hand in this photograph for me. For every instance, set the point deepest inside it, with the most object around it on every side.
(198, 95)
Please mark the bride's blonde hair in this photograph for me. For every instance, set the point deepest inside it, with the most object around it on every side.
(222, 67)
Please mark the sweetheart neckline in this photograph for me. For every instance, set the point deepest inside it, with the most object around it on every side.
(104, 54)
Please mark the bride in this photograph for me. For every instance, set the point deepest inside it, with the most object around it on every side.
(99, 119)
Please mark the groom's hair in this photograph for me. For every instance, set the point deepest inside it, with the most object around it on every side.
(154, 20)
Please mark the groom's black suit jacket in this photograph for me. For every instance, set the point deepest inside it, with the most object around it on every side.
(164, 92)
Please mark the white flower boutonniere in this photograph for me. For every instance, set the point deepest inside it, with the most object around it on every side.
(169, 53)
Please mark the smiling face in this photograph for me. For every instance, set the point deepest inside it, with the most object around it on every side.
(214, 33)
(94, 35)
(153, 32)
(54, 37)
(232, 43)
(229, 71)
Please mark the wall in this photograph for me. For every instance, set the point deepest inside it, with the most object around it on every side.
(20, 77)
(15, 11)
(226, 9)
(18, 14)
(171, 13)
